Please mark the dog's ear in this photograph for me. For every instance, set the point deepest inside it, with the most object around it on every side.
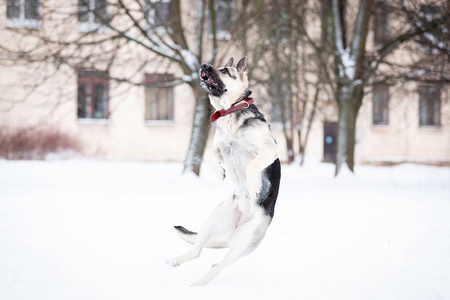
(242, 65)
(229, 63)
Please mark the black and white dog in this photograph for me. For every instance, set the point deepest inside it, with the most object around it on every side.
(244, 151)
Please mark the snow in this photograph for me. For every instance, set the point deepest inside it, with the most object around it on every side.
(348, 62)
(190, 59)
(189, 78)
(87, 229)
(348, 59)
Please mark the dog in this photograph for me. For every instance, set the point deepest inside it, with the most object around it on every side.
(244, 151)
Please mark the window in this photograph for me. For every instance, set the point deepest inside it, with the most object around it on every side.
(429, 105)
(431, 16)
(381, 22)
(92, 15)
(380, 105)
(158, 13)
(224, 17)
(159, 103)
(23, 13)
(92, 95)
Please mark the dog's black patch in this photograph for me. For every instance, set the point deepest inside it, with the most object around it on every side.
(251, 113)
(256, 115)
(184, 230)
(211, 80)
(270, 185)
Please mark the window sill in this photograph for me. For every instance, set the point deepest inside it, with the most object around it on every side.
(430, 127)
(23, 23)
(160, 122)
(380, 127)
(89, 121)
(93, 27)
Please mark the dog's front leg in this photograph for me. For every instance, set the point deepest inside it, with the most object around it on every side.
(214, 159)
(254, 170)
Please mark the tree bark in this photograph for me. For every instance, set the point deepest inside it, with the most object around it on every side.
(200, 131)
(309, 124)
(349, 102)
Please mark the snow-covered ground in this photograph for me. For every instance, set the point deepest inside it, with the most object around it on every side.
(85, 229)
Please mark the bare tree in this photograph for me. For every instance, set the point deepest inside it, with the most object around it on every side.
(355, 66)
(313, 61)
(156, 32)
(282, 64)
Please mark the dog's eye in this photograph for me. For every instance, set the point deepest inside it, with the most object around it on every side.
(225, 71)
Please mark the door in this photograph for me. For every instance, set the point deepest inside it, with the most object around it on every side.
(329, 141)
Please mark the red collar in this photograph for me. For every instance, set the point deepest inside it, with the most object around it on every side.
(223, 112)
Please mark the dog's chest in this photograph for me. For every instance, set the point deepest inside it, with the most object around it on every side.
(236, 148)
(233, 141)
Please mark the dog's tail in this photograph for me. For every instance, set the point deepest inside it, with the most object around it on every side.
(190, 237)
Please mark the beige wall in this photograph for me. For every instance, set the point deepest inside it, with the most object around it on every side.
(126, 135)
(403, 139)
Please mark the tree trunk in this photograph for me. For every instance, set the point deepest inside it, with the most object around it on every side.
(305, 140)
(349, 102)
(289, 144)
(309, 124)
(200, 131)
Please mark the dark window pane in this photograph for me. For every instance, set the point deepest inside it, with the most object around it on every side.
(431, 12)
(92, 95)
(431, 18)
(158, 103)
(149, 103)
(32, 9)
(101, 11)
(380, 105)
(429, 105)
(99, 97)
(164, 104)
(13, 9)
(82, 99)
(381, 22)
(83, 11)
(158, 100)
(162, 14)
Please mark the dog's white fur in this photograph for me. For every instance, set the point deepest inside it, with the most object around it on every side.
(242, 155)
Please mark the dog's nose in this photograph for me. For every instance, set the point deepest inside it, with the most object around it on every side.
(205, 66)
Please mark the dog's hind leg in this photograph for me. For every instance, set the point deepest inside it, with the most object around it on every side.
(218, 227)
(243, 241)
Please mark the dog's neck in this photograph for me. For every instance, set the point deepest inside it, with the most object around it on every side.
(244, 103)
(224, 102)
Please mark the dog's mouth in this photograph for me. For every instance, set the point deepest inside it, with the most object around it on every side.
(206, 79)
(211, 81)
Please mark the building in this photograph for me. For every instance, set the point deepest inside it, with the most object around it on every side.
(147, 121)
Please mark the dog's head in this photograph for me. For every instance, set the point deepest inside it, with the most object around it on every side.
(225, 85)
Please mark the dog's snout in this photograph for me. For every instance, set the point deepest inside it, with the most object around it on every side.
(205, 66)
(204, 71)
